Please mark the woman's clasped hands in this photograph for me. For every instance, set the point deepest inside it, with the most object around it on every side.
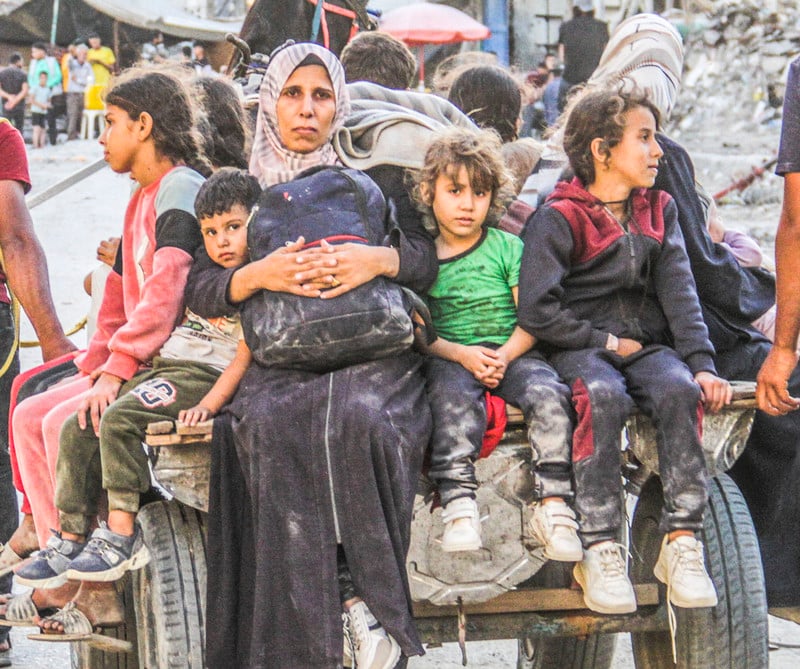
(324, 271)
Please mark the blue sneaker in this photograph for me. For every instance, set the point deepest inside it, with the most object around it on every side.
(48, 567)
(108, 556)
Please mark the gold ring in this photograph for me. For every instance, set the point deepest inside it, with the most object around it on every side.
(335, 283)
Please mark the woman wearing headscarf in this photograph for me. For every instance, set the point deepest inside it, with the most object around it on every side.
(647, 50)
(322, 464)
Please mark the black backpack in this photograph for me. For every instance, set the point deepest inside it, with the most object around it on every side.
(369, 322)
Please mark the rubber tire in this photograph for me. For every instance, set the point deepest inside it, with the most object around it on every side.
(734, 634)
(83, 657)
(593, 652)
(170, 591)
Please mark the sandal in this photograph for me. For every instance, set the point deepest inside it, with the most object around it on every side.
(21, 611)
(9, 559)
(77, 627)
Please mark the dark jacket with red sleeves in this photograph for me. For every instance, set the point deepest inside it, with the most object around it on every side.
(584, 276)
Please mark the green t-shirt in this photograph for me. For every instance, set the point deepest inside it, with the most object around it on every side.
(471, 301)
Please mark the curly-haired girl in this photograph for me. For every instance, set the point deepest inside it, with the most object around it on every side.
(480, 347)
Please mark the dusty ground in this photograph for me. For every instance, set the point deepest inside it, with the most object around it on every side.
(71, 225)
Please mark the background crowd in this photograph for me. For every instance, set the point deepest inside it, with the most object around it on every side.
(74, 79)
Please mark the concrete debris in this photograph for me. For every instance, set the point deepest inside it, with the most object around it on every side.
(736, 61)
(737, 56)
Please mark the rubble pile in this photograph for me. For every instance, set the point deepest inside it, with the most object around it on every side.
(735, 68)
(736, 62)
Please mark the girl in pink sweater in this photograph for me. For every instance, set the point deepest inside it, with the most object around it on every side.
(150, 133)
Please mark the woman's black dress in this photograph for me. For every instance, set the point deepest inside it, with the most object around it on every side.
(301, 462)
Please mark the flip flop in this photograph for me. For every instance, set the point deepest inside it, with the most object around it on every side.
(78, 628)
(8, 559)
(20, 611)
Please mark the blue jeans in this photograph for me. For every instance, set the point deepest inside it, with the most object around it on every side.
(459, 422)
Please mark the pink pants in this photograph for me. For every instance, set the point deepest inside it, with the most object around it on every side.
(36, 424)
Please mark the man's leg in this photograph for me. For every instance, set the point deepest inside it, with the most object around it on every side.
(768, 474)
(74, 112)
(9, 515)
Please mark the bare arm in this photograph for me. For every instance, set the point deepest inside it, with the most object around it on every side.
(26, 269)
(14, 100)
(772, 392)
(222, 391)
(520, 341)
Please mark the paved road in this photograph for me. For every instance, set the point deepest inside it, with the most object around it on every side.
(481, 655)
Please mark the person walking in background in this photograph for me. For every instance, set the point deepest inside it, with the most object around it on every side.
(42, 62)
(201, 65)
(102, 60)
(81, 77)
(40, 108)
(14, 91)
(154, 51)
(581, 41)
(550, 95)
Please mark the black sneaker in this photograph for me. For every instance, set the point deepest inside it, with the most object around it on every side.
(108, 556)
(48, 568)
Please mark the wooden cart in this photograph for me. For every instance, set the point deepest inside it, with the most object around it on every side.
(505, 591)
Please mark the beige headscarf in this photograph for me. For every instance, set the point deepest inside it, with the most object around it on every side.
(270, 161)
(647, 50)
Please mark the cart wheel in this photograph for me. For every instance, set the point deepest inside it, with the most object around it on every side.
(84, 657)
(170, 591)
(733, 635)
(595, 651)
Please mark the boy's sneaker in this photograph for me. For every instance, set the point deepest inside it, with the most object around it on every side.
(48, 568)
(554, 526)
(681, 567)
(604, 579)
(372, 647)
(108, 556)
(464, 536)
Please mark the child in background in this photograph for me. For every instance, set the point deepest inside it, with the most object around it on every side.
(606, 285)
(747, 253)
(40, 102)
(194, 375)
(480, 347)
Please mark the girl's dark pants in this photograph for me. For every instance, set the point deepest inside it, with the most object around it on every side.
(605, 389)
(458, 405)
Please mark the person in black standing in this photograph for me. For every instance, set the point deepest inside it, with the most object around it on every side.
(13, 91)
(581, 41)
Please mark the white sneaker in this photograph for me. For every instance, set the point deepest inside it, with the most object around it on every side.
(681, 567)
(554, 526)
(604, 579)
(347, 651)
(373, 648)
(463, 536)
